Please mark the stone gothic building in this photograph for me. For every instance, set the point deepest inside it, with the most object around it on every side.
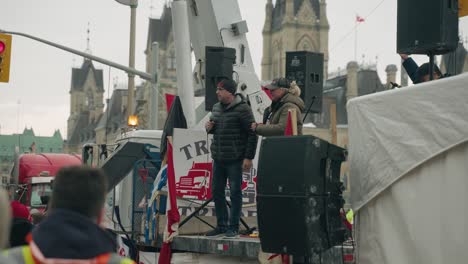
(293, 25)
(86, 105)
(160, 30)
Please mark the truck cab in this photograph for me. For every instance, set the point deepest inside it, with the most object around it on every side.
(33, 175)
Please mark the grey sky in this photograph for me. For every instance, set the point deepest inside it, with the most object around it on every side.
(38, 92)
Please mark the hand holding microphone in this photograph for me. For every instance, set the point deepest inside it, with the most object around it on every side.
(209, 125)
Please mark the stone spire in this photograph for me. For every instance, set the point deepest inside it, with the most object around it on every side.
(268, 16)
(352, 80)
(391, 71)
(289, 15)
(88, 46)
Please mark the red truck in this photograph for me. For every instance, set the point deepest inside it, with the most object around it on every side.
(197, 183)
(32, 175)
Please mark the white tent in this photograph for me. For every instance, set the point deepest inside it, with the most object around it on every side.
(409, 173)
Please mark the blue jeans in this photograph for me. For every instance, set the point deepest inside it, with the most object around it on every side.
(223, 171)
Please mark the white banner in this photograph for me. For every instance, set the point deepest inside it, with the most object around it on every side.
(259, 101)
(193, 172)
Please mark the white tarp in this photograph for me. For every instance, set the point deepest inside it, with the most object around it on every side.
(422, 218)
(391, 132)
(409, 166)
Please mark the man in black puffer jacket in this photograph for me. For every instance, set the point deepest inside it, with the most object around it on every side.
(233, 149)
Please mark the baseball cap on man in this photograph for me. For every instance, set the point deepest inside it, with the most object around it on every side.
(278, 83)
(228, 85)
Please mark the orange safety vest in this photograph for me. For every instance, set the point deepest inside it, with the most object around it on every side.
(24, 255)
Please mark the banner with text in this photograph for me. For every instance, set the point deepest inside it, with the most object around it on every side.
(194, 172)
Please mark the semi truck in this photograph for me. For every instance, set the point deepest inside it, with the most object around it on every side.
(32, 176)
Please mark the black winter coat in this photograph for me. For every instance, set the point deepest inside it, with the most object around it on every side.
(411, 68)
(20, 228)
(232, 137)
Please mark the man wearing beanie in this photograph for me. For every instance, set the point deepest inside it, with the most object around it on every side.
(233, 149)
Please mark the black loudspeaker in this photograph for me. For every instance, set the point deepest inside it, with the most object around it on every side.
(299, 195)
(219, 65)
(306, 68)
(427, 26)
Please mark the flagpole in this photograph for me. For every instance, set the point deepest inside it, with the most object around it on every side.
(355, 38)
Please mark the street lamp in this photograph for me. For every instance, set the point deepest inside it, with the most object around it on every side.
(131, 64)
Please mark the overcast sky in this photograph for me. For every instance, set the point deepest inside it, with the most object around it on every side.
(37, 95)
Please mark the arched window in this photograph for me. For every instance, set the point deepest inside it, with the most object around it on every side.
(171, 60)
(305, 43)
(89, 99)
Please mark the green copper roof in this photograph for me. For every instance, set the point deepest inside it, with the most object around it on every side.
(25, 140)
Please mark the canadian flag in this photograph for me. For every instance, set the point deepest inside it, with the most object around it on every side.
(291, 123)
(359, 19)
(172, 212)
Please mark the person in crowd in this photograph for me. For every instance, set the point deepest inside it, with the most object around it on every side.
(37, 216)
(419, 74)
(71, 233)
(284, 96)
(233, 149)
(21, 224)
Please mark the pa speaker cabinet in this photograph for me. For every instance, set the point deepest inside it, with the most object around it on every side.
(299, 165)
(306, 68)
(299, 225)
(427, 26)
(219, 65)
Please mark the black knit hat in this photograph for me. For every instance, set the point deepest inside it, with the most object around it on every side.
(228, 85)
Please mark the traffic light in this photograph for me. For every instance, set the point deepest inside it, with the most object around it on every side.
(5, 53)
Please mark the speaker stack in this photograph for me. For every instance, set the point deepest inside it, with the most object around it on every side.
(219, 65)
(306, 68)
(427, 26)
(299, 195)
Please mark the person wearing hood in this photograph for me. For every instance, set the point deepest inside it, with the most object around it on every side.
(233, 149)
(284, 96)
(71, 233)
(420, 74)
(21, 224)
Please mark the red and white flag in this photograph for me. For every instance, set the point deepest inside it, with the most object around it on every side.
(291, 123)
(359, 19)
(172, 212)
(288, 131)
(169, 100)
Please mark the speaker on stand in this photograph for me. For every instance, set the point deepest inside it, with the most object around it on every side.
(306, 68)
(218, 66)
(427, 27)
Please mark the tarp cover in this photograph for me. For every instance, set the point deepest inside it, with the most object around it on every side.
(409, 166)
(422, 218)
(391, 132)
